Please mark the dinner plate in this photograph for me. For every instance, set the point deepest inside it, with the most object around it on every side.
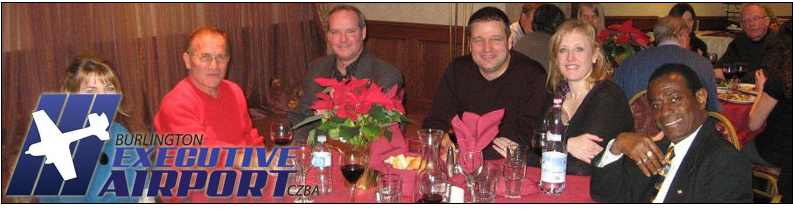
(746, 98)
(747, 88)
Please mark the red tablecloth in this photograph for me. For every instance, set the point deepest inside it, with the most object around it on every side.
(576, 191)
(738, 114)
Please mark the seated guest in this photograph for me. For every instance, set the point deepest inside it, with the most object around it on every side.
(91, 74)
(523, 25)
(597, 107)
(535, 44)
(685, 11)
(752, 45)
(773, 108)
(489, 79)
(691, 163)
(346, 32)
(671, 37)
(594, 14)
(204, 102)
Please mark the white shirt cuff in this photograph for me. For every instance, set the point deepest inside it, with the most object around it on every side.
(608, 158)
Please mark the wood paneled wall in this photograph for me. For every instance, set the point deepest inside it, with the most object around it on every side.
(421, 51)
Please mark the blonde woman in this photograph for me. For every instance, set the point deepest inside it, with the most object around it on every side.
(592, 13)
(598, 110)
(90, 74)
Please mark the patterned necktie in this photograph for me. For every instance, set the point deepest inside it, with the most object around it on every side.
(665, 166)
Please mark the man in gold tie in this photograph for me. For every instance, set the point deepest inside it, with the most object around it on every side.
(691, 163)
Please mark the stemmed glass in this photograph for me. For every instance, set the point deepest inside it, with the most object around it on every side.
(353, 164)
(302, 162)
(713, 58)
(473, 166)
(281, 132)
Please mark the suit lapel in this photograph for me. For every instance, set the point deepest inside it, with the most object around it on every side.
(681, 185)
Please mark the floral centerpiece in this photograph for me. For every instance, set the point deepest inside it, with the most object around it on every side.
(355, 111)
(622, 40)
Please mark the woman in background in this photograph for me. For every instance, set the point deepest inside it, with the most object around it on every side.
(90, 74)
(685, 11)
(592, 13)
(598, 110)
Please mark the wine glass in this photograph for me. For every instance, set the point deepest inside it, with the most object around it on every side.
(353, 164)
(472, 167)
(713, 58)
(729, 75)
(281, 132)
(302, 162)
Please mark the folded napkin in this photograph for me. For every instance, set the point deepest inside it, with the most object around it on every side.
(382, 149)
(474, 133)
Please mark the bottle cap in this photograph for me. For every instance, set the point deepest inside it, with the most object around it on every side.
(322, 138)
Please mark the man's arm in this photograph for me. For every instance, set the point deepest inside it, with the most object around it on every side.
(303, 109)
(730, 178)
(531, 105)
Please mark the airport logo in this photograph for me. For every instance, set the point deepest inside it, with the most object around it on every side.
(61, 151)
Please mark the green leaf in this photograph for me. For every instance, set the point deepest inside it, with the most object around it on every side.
(388, 134)
(307, 121)
(326, 89)
(371, 131)
(349, 132)
(333, 133)
(349, 123)
(378, 112)
(310, 137)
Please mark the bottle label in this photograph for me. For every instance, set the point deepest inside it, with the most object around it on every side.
(554, 137)
(321, 159)
(554, 166)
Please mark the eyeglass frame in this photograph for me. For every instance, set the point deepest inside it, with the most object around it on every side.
(208, 58)
(752, 20)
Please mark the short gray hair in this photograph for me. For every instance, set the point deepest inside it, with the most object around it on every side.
(668, 28)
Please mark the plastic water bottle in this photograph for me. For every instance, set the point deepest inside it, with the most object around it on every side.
(321, 161)
(554, 153)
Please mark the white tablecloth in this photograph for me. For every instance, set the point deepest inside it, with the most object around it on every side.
(716, 44)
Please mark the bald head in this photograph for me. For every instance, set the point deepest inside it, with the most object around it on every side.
(754, 21)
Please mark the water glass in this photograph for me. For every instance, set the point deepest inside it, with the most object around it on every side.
(514, 174)
(485, 189)
(390, 189)
(518, 154)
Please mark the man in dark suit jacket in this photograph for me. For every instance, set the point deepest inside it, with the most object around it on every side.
(705, 168)
(671, 35)
(346, 33)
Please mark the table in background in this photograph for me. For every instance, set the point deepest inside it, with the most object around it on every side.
(717, 41)
(738, 114)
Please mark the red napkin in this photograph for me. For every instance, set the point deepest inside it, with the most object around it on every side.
(382, 149)
(475, 132)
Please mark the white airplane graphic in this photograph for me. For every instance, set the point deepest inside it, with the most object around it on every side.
(55, 144)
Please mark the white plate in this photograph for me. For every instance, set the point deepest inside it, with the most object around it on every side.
(749, 100)
(747, 88)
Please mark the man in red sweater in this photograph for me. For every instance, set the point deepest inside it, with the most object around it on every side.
(206, 104)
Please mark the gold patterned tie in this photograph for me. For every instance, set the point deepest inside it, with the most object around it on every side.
(665, 166)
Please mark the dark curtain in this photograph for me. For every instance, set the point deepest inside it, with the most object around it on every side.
(271, 45)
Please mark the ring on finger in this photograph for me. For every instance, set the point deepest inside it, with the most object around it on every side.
(644, 160)
(649, 154)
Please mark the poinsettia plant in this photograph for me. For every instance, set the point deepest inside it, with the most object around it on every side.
(622, 40)
(355, 110)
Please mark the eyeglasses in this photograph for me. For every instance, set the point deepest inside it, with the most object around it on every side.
(752, 20)
(207, 58)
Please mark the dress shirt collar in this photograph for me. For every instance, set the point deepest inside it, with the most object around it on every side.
(669, 42)
(350, 68)
(681, 149)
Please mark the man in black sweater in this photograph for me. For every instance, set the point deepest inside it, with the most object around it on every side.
(752, 45)
(491, 78)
